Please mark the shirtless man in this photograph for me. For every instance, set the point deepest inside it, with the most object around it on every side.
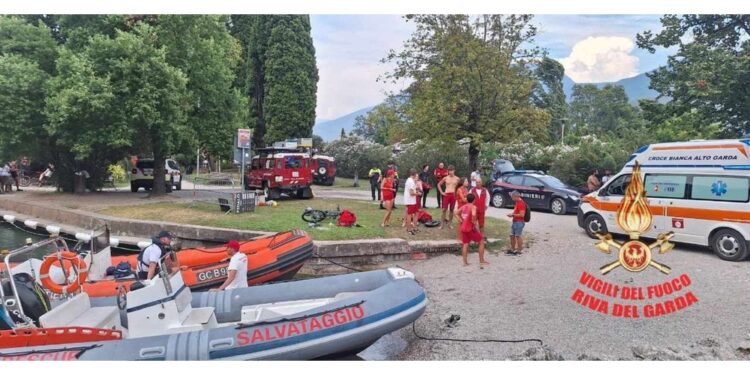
(449, 195)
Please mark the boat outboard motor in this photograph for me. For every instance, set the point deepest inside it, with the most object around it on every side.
(34, 300)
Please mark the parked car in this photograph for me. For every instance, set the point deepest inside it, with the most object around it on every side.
(538, 190)
(279, 171)
(142, 175)
(323, 169)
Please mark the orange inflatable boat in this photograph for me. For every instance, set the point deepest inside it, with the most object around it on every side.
(272, 258)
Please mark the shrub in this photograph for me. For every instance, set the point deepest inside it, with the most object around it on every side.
(117, 172)
(355, 154)
(417, 154)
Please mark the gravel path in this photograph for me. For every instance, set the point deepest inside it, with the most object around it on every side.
(530, 297)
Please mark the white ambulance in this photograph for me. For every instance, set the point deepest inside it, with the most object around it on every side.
(699, 190)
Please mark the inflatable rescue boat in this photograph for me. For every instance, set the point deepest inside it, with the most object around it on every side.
(164, 320)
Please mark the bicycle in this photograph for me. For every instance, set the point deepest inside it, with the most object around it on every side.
(313, 216)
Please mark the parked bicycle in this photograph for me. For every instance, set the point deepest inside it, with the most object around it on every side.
(316, 216)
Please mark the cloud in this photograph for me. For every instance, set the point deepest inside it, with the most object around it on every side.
(601, 59)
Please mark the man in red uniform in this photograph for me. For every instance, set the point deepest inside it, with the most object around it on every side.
(440, 173)
(516, 228)
(482, 202)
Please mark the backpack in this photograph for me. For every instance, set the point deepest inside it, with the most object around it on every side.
(527, 215)
(122, 270)
(347, 219)
(424, 217)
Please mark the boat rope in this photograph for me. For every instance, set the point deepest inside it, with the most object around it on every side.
(81, 350)
(338, 264)
(414, 329)
(63, 235)
(303, 317)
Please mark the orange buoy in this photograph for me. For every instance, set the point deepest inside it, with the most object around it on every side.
(67, 258)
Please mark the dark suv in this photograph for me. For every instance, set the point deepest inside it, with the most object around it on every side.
(538, 190)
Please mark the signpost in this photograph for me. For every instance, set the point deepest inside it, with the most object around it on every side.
(243, 143)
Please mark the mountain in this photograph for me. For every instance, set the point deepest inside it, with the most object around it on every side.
(635, 87)
(331, 129)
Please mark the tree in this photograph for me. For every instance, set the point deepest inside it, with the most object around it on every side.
(280, 75)
(711, 69)
(118, 93)
(384, 124)
(601, 111)
(343, 134)
(470, 79)
(549, 95)
(202, 48)
(27, 58)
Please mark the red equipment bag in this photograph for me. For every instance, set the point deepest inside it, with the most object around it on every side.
(347, 219)
(424, 217)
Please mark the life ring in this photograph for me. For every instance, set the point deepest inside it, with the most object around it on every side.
(68, 258)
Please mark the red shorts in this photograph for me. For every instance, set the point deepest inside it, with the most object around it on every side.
(480, 218)
(449, 201)
(473, 236)
(412, 209)
(388, 195)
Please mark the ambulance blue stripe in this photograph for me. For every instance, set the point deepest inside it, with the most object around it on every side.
(252, 348)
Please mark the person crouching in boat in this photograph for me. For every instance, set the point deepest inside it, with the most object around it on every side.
(149, 258)
(237, 270)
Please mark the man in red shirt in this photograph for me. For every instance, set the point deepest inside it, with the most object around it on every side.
(440, 173)
(482, 202)
(516, 229)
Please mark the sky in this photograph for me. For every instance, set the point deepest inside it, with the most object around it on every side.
(349, 48)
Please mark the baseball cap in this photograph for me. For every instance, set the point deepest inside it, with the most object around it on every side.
(233, 244)
(164, 234)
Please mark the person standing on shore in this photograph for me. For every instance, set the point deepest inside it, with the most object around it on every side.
(592, 183)
(450, 182)
(374, 176)
(467, 216)
(440, 174)
(426, 180)
(14, 173)
(410, 201)
(518, 222)
(482, 203)
(389, 194)
(476, 175)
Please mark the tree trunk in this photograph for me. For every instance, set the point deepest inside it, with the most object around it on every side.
(473, 155)
(159, 187)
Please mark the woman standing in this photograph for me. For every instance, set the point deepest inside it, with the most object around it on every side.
(462, 193)
(389, 194)
(426, 179)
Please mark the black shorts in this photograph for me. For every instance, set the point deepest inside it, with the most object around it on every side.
(14, 174)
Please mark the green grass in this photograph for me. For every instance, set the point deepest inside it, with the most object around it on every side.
(287, 216)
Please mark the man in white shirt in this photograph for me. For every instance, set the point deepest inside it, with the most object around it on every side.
(237, 270)
(410, 200)
(149, 258)
(474, 177)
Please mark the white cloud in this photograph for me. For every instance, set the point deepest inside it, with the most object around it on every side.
(601, 59)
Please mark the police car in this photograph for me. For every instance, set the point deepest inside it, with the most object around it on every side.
(538, 190)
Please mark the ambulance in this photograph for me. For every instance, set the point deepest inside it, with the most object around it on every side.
(698, 189)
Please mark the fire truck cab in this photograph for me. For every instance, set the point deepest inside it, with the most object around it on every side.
(279, 171)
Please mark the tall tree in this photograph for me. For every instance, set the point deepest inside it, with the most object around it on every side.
(27, 58)
(280, 75)
(549, 95)
(600, 111)
(202, 48)
(119, 93)
(470, 79)
(710, 72)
